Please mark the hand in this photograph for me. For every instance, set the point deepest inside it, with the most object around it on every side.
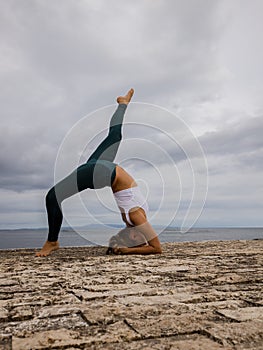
(124, 250)
(120, 250)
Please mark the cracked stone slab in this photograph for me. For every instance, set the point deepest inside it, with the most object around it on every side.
(86, 295)
(3, 314)
(187, 342)
(247, 333)
(58, 310)
(219, 305)
(114, 286)
(232, 278)
(101, 313)
(63, 338)
(8, 282)
(27, 327)
(254, 300)
(205, 295)
(166, 325)
(171, 300)
(48, 340)
(244, 314)
(15, 289)
(21, 313)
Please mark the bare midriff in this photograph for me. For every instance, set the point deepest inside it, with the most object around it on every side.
(122, 180)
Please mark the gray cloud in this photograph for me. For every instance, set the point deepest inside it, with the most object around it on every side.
(61, 61)
(235, 138)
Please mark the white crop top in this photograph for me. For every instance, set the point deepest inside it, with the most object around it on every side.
(128, 199)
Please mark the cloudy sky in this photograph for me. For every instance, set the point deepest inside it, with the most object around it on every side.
(193, 136)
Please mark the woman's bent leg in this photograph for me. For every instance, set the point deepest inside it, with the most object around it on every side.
(54, 198)
(54, 214)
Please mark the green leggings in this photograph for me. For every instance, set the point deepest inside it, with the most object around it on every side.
(98, 172)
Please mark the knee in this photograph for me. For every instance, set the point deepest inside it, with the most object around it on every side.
(51, 197)
(115, 133)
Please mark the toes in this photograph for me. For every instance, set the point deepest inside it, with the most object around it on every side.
(130, 93)
(41, 254)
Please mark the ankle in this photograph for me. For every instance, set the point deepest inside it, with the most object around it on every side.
(52, 242)
(122, 101)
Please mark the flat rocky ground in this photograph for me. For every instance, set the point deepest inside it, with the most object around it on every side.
(205, 295)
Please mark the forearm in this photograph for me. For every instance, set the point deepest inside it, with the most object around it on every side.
(143, 250)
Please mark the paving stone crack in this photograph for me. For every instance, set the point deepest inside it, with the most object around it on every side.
(207, 334)
(79, 297)
(130, 326)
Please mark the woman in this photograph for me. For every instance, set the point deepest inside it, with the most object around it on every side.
(99, 171)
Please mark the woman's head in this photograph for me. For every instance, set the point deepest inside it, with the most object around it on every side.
(127, 237)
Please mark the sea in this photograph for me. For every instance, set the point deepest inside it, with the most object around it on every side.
(99, 236)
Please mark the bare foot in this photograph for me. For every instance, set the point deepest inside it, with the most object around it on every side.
(125, 99)
(47, 248)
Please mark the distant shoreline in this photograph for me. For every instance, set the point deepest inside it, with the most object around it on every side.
(34, 238)
(119, 226)
(96, 247)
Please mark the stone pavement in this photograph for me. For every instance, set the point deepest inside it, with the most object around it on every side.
(205, 295)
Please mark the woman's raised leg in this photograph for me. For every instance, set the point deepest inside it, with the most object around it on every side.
(108, 148)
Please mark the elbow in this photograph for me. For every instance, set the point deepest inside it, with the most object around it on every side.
(158, 250)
